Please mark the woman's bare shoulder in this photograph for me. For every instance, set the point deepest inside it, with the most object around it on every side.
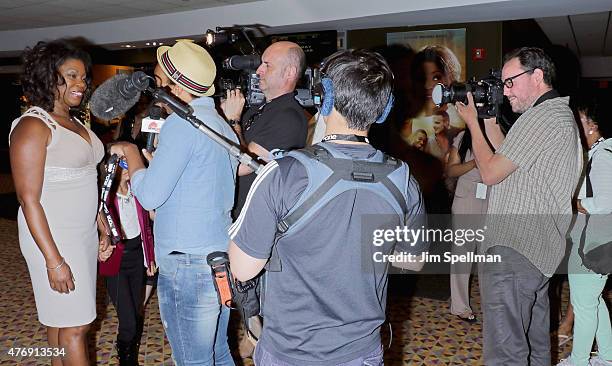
(31, 127)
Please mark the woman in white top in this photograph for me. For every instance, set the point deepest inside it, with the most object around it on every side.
(591, 315)
(53, 163)
(468, 210)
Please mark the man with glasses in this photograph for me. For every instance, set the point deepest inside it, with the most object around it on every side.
(278, 124)
(532, 176)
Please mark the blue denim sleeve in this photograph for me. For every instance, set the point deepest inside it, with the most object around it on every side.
(153, 186)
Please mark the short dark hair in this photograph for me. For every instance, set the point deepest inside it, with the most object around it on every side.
(362, 82)
(534, 58)
(597, 109)
(41, 75)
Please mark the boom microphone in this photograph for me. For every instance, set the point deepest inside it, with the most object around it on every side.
(118, 94)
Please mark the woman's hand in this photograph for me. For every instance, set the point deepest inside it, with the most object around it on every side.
(105, 249)
(104, 242)
(104, 254)
(60, 277)
(152, 269)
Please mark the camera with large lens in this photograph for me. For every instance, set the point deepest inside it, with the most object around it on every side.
(308, 91)
(248, 80)
(488, 94)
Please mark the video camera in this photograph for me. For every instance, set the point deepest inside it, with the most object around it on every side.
(488, 94)
(248, 81)
(247, 64)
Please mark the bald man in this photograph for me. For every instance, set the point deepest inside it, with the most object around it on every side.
(278, 124)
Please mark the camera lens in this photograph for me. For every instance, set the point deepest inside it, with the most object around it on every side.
(458, 93)
(437, 94)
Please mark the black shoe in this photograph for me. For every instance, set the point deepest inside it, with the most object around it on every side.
(128, 353)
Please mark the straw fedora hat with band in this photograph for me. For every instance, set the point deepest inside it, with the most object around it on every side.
(190, 66)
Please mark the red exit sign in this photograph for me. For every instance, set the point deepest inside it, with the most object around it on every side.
(479, 54)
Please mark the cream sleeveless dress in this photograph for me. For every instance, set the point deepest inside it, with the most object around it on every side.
(69, 199)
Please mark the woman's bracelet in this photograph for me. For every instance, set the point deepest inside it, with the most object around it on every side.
(58, 266)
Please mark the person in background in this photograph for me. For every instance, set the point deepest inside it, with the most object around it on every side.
(280, 123)
(591, 315)
(468, 210)
(53, 163)
(125, 268)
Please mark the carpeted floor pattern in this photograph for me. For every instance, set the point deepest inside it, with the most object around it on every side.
(423, 330)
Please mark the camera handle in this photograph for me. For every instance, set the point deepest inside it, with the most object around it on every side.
(186, 113)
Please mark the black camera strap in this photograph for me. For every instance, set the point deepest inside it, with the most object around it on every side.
(111, 170)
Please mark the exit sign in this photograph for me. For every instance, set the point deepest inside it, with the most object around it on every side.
(479, 54)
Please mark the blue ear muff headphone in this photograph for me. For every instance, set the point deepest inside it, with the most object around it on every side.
(328, 100)
(328, 96)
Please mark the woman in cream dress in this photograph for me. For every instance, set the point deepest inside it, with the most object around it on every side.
(53, 161)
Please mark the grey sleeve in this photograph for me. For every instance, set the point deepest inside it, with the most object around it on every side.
(255, 228)
(416, 219)
(274, 192)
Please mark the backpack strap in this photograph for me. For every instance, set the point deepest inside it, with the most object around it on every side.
(357, 173)
(589, 186)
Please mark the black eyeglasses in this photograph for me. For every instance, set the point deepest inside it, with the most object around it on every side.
(508, 83)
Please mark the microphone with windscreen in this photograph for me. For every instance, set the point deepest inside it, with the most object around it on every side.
(118, 94)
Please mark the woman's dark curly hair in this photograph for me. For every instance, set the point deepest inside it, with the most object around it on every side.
(41, 75)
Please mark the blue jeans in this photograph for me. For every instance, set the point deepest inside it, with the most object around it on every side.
(195, 323)
(262, 357)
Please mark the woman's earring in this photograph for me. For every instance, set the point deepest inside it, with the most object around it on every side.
(590, 131)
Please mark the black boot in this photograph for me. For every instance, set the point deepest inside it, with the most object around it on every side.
(127, 354)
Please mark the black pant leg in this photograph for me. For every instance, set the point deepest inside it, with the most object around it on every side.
(126, 289)
(516, 311)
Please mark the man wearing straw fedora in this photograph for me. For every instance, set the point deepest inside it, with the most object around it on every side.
(190, 184)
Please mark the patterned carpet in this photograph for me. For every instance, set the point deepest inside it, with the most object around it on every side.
(424, 332)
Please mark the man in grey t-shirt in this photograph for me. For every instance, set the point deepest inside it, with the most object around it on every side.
(533, 176)
(327, 303)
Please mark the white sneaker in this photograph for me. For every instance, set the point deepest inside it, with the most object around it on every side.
(566, 362)
(598, 361)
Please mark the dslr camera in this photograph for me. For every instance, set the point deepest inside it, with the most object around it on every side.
(488, 94)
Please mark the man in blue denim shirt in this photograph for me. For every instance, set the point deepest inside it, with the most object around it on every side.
(190, 184)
